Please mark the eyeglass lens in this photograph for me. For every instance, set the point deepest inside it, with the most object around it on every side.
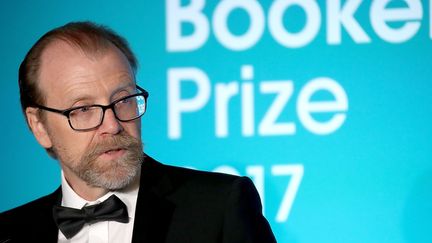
(91, 116)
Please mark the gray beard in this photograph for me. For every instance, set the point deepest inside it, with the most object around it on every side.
(115, 174)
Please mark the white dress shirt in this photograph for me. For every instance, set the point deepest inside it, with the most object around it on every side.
(104, 231)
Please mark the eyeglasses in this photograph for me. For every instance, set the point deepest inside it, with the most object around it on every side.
(85, 118)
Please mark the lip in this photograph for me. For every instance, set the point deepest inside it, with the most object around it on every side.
(113, 153)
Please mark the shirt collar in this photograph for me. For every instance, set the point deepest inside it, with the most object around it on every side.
(72, 200)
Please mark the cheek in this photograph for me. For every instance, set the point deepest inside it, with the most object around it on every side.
(67, 141)
(134, 129)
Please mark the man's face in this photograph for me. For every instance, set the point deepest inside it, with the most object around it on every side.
(108, 156)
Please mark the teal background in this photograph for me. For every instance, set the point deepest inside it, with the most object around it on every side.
(369, 181)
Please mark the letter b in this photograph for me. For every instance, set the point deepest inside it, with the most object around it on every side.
(176, 15)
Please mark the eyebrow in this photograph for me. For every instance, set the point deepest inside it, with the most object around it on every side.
(124, 88)
(78, 98)
(83, 97)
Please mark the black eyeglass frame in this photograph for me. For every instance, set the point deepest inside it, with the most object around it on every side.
(67, 112)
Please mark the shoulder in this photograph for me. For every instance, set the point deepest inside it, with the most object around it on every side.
(31, 207)
(230, 204)
(29, 213)
(200, 181)
(195, 186)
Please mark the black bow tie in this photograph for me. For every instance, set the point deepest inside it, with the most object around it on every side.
(70, 220)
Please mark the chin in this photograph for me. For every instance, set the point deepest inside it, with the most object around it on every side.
(115, 179)
(111, 175)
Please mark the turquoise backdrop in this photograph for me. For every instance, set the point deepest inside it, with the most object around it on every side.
(326, 105)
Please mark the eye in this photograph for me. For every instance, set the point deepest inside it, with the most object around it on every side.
(81, 111)
(84, 109)
(127, 100)
(124, 101)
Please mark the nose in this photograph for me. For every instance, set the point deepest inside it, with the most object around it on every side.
(110, 124)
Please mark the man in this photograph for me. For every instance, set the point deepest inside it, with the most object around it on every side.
(81, 101)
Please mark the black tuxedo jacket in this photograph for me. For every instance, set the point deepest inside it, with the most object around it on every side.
(174, 205)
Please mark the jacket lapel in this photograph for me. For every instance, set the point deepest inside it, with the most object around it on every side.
(41, 223)
(50, 232)
(153, 211)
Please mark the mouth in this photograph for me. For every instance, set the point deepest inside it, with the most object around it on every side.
(113, 153)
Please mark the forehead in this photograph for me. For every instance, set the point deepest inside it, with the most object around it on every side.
(65, 68)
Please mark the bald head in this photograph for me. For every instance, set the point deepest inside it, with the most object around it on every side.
(87, 37)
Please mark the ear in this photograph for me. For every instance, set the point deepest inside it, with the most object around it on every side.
(38, 127)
